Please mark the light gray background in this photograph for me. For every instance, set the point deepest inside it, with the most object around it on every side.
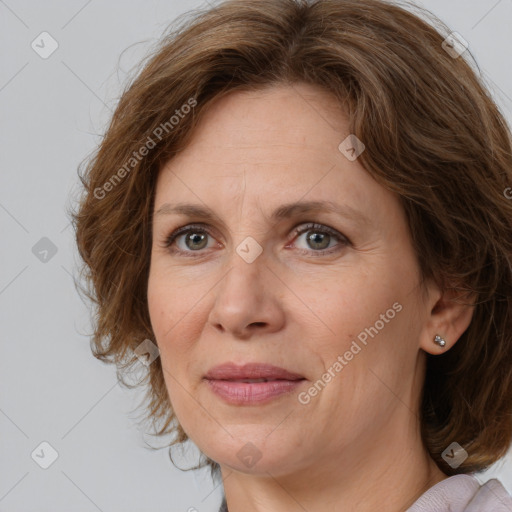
(53, 112)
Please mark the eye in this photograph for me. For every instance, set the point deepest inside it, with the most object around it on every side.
(188, 239)
(191, 239)
(319, 238)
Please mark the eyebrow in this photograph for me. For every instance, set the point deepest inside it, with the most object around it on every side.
(284, 211)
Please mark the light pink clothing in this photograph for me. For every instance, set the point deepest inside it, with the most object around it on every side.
(463, 493)
(459, 493)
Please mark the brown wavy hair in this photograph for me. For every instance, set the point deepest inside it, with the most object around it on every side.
(433, 135)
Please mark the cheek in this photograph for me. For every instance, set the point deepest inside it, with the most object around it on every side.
(169, 323)
(176, 318)
(163, 306)
(351, 299)
(167, 302)
(160, 305)
(365, 318)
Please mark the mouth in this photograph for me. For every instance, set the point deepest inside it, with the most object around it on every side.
(252, 383)
(251, 372)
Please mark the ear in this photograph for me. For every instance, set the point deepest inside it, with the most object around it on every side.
(449, 313)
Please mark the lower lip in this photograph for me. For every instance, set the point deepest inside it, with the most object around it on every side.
(246, 393)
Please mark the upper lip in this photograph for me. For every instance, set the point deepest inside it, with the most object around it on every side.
(232, 371)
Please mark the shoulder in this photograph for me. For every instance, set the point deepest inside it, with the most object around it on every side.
(464, 493)
(491, 496)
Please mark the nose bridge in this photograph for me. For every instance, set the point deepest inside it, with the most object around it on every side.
(246, 268)
(243, 298)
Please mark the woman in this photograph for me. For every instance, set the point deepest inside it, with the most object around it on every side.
(302, 204)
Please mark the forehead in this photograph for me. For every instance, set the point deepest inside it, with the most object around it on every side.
(271, 146)
(265, 132)
(299, 115)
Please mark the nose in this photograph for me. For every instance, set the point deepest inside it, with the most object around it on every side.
(247, 299)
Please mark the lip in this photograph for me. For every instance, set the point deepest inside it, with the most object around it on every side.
(226, 381)
(232, 371)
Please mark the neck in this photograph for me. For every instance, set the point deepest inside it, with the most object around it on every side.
(388, 475)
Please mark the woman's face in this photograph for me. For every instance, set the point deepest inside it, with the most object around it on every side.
(337, 304)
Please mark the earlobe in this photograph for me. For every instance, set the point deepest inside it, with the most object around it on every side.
(439, 341)
(449, 317)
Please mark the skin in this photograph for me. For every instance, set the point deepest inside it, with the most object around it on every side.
(356, 445)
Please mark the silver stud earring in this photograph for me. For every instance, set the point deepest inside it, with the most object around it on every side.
(440, 341)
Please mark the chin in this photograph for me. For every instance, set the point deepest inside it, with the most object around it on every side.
(253, 452)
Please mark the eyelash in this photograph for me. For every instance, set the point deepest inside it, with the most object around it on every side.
(319, 228)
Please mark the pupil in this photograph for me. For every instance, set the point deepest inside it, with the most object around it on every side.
(194, 237)
(317, 238)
